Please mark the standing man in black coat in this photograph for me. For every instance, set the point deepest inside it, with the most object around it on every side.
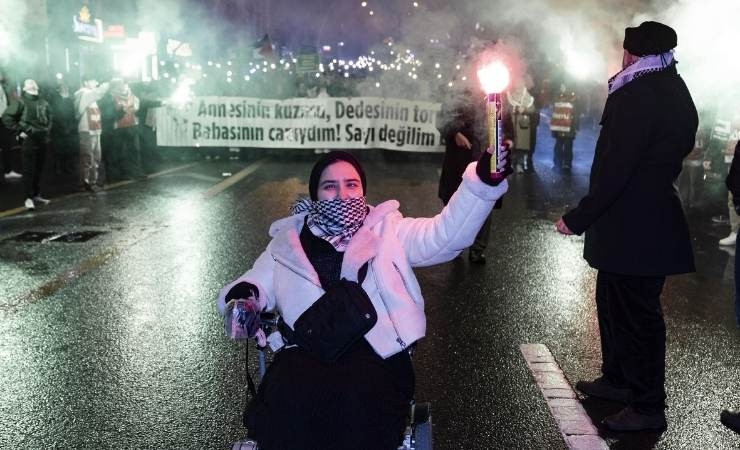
(636, 231)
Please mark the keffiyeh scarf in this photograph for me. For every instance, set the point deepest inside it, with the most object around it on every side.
(335, 221)
(643, 66)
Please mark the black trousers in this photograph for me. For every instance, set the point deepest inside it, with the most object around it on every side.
(563, 152)
(633, 336)
(8, 147)
(34, 157)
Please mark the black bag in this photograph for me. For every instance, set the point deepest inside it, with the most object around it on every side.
(335, 321)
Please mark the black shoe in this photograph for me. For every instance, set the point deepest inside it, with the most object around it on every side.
(476, 257)
(605, 389)
(630, 420)
(731, 419)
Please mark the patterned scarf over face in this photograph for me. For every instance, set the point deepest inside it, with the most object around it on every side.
(643, 66)
(335, 221)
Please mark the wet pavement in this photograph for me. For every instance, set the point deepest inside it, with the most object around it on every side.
(116, 342)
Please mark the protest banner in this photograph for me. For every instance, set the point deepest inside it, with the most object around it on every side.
(332, 122)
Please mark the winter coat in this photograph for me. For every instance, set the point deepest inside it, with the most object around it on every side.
(31, 115)
(733, 178)
(632, 214)
(287, 281)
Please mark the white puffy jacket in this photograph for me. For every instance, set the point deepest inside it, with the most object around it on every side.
(287, 280)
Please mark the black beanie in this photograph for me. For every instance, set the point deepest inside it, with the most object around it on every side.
(327, 160)
(650, 38)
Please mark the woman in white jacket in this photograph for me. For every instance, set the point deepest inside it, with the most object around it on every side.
(332, 248)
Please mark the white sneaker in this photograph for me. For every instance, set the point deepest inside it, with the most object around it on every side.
(729, 240)
(12, 175)
(29, 204)
(42, 200)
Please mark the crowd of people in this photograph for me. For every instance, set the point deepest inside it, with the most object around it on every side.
(100, 127)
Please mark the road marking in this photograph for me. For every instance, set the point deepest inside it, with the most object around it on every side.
(232, 180)
(95, 262)
(20, 209)
(574, 424)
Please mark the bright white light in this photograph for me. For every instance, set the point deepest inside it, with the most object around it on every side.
(228, 80)
(218, 65)
(416, 4)
(494, 77)
(436, 65)
(377, 84)
(183, 94)
(581, 58)
(210, 63)
(363, 4)
(228, 62)
(341, 44)
(229, 73)
(246, 77)
(59, 76)
(272, 66)
(372, 13)
(318, 75)
(346, 75)
(449, 84)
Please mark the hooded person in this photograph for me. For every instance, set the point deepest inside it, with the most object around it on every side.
(636, 230)
(339, 273)
(90, 129)
(30, 118)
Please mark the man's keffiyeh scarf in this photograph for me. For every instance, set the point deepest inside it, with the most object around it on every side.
(643, 66)
(335, 221)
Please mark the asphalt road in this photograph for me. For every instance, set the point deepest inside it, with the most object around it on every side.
(116, 342)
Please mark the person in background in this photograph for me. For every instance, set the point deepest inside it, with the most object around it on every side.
(90, 129)
(63, 129)
(523, 118)
(636, 230)
(564, 126)
(149, 101)
(126, 130)
(463, 132)
(729, 157)
(7, 138)
(30, 119)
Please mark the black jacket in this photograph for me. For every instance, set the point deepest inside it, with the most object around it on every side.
(733, 178)
(31, 115)
(632, 214)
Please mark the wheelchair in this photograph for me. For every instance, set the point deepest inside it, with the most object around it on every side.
(416, 436)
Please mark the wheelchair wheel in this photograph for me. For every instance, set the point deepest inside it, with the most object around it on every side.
(422, 423)
(246, 444)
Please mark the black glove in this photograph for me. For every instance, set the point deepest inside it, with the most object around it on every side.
(483, 168)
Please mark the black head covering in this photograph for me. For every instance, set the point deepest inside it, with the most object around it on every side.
(327, 160)
(650, 38)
